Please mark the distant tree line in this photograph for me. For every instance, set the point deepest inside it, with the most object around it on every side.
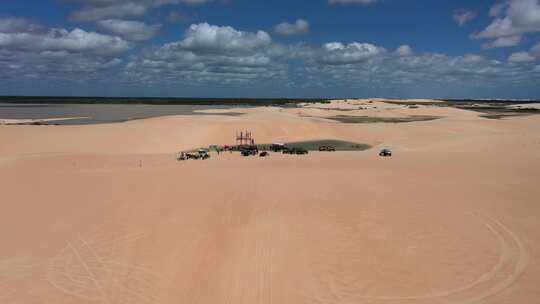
(158, 101)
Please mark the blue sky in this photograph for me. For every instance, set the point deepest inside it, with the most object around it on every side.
(251, 48)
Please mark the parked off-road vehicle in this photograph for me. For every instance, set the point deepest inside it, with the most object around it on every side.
(192, 156)
(385, 153)
(181, 156)
(249, 150)
(300, 151)
(203, 154)
(327, 149)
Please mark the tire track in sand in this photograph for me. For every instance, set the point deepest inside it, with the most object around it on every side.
(18, 277)
(513, 261)
(79, 270)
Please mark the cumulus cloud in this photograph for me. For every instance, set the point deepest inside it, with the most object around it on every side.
(429, 70)
(210, 53)
(301, 26)
(227, 56)
(29, 50)
(130, 30)
(17, 25)
(503, 42)
(115, 10)
(77, 40)
(535, 50)
(56, 64)
(462, 16)
(472, 58)
(336, 64)
(513, 18)
(93, 10)
(204, 37)
(526, 56)
(403, 51)
(520, 57)
(337, 53)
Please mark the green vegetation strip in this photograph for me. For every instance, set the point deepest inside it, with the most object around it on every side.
(313, 145)
(283, 102)
(501, 116)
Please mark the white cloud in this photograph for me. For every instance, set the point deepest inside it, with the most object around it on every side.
(472, 58)
(337, 53)
(93, 10)
(462, 17)
(524, 56)
(204, 37)
(535, 50)
(503, 42)
(130, 30)
(512, 18)
(520, 57)
(427, 70)
(118, 10)
(210, 53)
(77, 40)
(301, 26)
(224, 56)
(354, 65)
(403, 51)
(17, 25)
(60, 65)
(28, 50)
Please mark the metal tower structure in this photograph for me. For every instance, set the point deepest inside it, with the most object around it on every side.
(244, 138)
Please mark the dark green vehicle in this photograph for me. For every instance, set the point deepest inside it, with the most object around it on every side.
(327, 148)
(249, 150)
(300, 151)
(295, 151)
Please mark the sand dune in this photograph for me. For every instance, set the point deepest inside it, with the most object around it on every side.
(104, 213)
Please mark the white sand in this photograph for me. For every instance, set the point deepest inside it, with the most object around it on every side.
(104, 213)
